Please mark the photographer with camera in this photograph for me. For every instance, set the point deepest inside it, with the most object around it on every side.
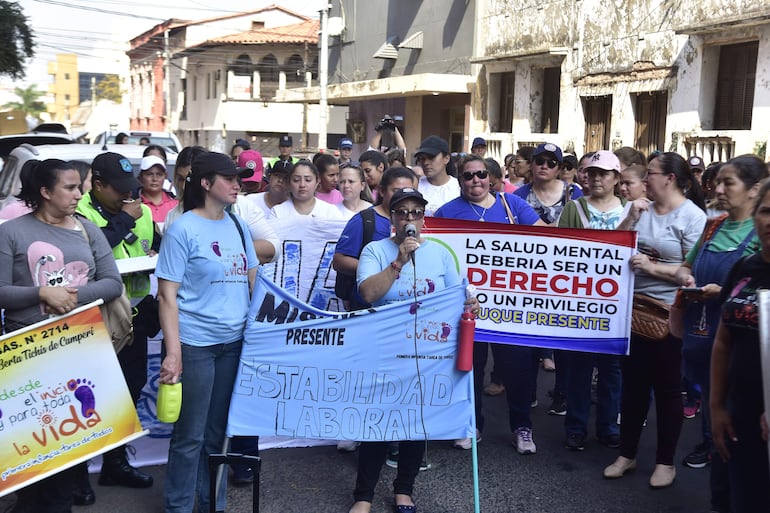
(387, 136)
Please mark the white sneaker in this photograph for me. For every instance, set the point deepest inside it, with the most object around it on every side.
(467, 443)
(347, 445)
(523, 441)
(463, 443)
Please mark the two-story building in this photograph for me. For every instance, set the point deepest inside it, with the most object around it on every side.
(688, 76)
(214, 81)
(410, 60)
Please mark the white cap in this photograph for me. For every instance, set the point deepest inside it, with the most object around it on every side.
(151, 160)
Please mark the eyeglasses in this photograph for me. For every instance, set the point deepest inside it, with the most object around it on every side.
(401, 213)
(551, 163)
(422, 156)
(568, 167)
(468, 175)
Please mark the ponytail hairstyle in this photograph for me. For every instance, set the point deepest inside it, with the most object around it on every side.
(672, 163)
(751, 169)
(36, 175)
(194, 194)
(323, 162)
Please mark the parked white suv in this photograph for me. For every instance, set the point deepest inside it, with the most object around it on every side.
(165, 139)
(10, 183)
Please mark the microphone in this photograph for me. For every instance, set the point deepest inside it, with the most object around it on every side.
(411, 231)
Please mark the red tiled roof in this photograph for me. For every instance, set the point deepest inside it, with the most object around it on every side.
(305, 32)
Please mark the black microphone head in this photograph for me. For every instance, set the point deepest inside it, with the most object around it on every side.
(410, 230)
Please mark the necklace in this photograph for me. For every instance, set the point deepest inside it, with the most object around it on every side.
(483, 212)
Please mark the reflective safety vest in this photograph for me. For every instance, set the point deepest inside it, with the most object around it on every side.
(137, 284)
(271, 162)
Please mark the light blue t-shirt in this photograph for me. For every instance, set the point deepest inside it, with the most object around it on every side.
(436, 269)
(208, 261)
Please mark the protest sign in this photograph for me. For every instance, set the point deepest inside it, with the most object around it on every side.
(387, 373)
(63, 398)
(560, 288)
(304, 268)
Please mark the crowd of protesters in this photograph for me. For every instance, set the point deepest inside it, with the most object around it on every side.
(703, 247)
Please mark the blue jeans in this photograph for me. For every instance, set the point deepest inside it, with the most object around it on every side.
(581, 366)
(208, 376)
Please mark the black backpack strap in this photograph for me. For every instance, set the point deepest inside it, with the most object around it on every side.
(368, 218)
(240, 230)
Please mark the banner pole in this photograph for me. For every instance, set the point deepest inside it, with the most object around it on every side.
(475, 459)
(474, 449)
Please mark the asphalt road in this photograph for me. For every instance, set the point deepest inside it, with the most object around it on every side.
(320, 480)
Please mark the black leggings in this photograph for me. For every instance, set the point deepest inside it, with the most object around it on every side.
(371, 457)
(652, 366)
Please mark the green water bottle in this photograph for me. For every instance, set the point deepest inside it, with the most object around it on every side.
(169, 402)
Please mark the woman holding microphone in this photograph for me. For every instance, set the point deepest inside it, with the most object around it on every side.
(388, 271)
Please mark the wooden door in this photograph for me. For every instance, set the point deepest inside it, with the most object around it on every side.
(598, 116)
(650, 124)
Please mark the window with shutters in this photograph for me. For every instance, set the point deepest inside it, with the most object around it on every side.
(735, 86)
(551, 93)
(507, 81)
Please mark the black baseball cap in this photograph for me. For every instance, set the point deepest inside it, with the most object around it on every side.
(406, 193)
(115, 170)
(219, 163)
(432, 146)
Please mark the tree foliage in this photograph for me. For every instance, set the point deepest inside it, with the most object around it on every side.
(108, 88)
(16, 40)
(29, 101)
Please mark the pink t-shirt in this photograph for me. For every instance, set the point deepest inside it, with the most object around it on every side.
(159, 211)
(16, 209)
(333, 196)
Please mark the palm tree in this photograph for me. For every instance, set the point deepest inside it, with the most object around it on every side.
(29, 102)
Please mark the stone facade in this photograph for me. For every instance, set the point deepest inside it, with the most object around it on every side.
(689, 76)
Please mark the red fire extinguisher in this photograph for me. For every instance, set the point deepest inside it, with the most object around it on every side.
(466, 336)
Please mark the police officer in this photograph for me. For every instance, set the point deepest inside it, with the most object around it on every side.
(285, 147)
(129, 229)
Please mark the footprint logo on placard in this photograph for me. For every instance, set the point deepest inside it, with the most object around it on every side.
(84, 394)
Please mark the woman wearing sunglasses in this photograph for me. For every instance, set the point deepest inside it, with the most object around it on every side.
(546, 193)
(389, 270)
(517, 364)
(568, 171)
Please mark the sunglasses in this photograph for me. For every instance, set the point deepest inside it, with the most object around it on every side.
(402, 213)
(568, 167)
(551, 163)
(468, 175)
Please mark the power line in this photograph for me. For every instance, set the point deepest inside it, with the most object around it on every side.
(151, 5)
(96, 9)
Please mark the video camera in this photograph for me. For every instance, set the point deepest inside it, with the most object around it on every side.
(386, 123)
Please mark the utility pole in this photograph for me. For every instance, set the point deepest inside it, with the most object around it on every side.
(323, 77)
(305, 106)
(166, 85)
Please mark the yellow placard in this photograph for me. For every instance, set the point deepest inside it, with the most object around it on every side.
(63, 398)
